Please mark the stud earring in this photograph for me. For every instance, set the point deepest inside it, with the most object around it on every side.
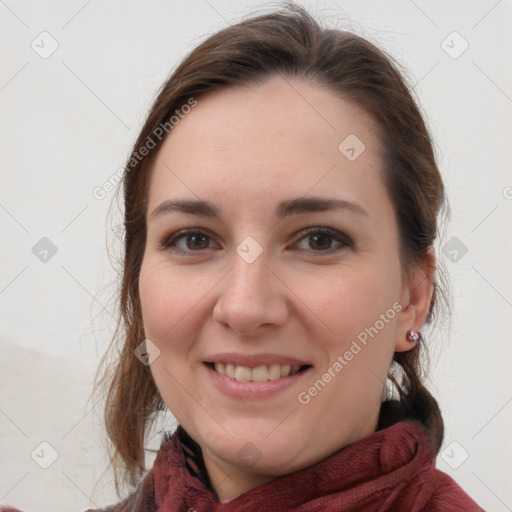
(414, 336)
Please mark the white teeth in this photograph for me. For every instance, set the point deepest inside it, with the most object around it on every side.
(243, 373)
(274, 372)
(230, 371)
(260, 373)
(285, 370)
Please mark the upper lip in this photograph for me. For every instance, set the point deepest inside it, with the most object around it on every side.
(253, 360)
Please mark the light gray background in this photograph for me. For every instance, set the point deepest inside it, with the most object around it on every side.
(68, 122)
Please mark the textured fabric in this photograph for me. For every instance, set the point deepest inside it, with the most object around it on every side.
(392, 470)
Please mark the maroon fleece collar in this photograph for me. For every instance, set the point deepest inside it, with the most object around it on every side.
(392, 469)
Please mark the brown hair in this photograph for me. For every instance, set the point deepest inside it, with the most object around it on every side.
(290, 43)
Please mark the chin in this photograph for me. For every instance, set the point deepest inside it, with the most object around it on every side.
(274, 455)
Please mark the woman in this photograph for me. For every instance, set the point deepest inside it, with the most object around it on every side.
(281, 207)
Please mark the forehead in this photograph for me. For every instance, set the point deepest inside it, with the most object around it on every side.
(283, 137)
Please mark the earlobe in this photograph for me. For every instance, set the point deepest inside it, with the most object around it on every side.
(416, 300)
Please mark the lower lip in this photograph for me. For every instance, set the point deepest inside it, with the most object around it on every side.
(250, 389)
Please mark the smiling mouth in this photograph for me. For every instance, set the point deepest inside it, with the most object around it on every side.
(262, 373)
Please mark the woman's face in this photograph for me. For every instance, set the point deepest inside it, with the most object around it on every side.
(257, 288)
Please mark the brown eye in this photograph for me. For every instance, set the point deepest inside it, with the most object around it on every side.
(197, 241)
(194, 241)
(321, 239)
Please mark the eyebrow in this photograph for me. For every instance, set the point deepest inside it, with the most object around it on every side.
(284, 208)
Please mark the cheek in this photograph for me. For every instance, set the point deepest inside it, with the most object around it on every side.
(154, 301)
(167, 302)
(167, 297)
(349, 300)
(357, 307)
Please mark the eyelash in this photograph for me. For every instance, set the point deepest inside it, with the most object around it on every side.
(167, 242)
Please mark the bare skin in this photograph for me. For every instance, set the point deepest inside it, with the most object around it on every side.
(307, 296)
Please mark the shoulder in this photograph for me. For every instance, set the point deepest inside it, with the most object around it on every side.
(424, 487)
(446, 490)
(123, 506)
(141, 499)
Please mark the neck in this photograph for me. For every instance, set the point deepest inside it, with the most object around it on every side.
(228, 480)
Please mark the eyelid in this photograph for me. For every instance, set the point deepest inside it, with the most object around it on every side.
(166, 241)
(336, 235)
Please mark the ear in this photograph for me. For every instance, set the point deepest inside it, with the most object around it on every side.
(416, 295)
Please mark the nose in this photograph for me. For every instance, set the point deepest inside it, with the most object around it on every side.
(251, 298)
